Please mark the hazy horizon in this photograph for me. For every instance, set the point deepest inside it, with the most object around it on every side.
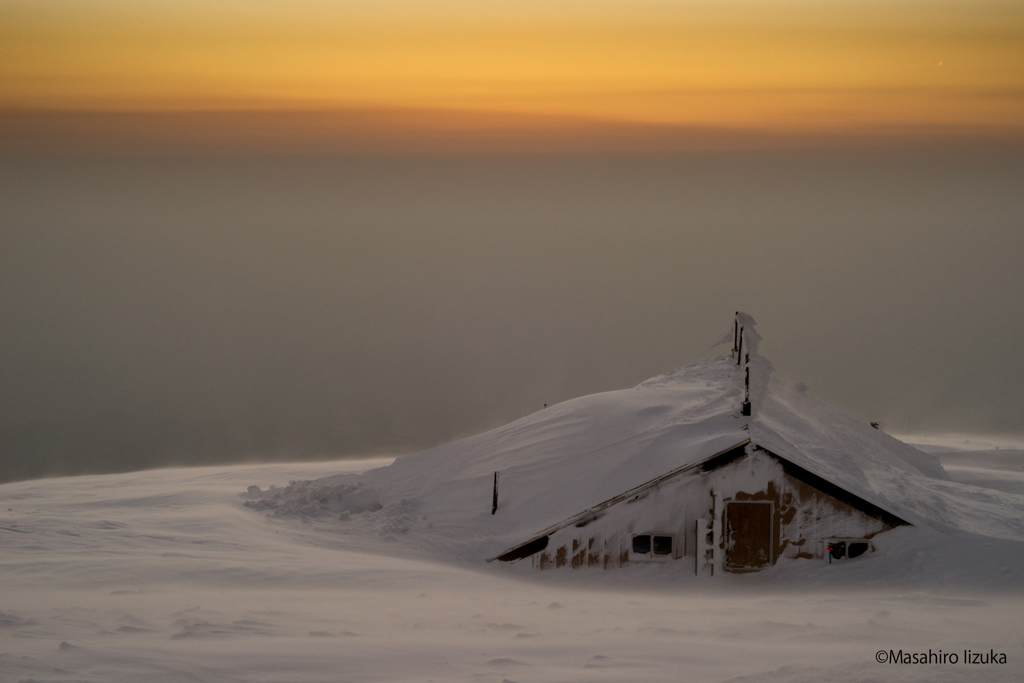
(194, 310)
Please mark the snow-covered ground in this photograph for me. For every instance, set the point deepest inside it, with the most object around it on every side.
(989, 462)
(165, 575)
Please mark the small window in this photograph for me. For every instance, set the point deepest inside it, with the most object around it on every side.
(662, 545)
(642, 544)
(846, 548)
(856, 550)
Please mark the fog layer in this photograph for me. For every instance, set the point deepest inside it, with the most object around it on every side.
(157, 311)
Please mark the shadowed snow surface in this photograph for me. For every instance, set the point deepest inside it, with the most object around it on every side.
(165, 576)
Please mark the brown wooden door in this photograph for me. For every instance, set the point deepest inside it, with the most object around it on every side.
(749, 535)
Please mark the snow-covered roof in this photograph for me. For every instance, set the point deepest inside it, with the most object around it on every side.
(575, 455)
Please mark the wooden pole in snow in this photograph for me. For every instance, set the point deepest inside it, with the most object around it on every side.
(494, 503)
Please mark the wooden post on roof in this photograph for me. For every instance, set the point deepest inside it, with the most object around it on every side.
(736, 335)
(746, 390)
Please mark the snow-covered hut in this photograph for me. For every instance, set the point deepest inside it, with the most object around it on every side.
(732, 469)
(716, 464)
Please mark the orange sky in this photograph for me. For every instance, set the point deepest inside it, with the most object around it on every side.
(792, 67)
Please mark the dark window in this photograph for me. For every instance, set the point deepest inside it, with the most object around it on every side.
(838, 549)
(856, 550)
(662, 545)
(642, 544)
